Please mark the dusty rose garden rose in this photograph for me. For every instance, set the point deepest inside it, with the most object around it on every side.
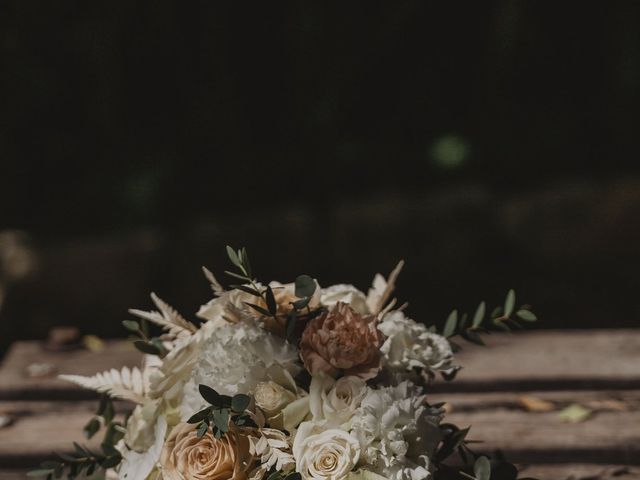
(342, 341)
(186, 457)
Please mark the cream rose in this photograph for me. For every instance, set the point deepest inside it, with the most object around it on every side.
(341, 401)
(272, 398)
(187, 457)
(324, 454)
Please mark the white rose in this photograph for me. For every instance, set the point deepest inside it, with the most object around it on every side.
(272, 398)
(324, 454)
(345, 294)
(336, 400)
(411, 345)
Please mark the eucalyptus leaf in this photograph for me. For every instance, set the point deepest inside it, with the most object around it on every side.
(202, 429)
(146, 347)
(240, 402)
(210, 395)
(247, 289)
(233, 256)
(450, 324)
(199, 416)
(482, 468)
(221, 419)
(478, 317)
(509, 303)
(301, 303)
(131, 325)
(526, 315)
(305, 286)
(91, 428)
(271, 301)
(258, 308)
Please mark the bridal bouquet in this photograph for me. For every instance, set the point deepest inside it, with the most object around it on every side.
(284, 382)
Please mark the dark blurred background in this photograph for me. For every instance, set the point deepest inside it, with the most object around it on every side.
(489, 144)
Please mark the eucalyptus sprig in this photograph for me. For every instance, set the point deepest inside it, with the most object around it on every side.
(305, 287)
(222, 410)
(502, 317)
(145, 343)
(83, 460)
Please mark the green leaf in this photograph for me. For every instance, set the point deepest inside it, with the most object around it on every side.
(526, 315)
(305, 286)
(258, 308)
(472, 337)
(233, 256)
(246, 289)
(244, 258)
(146, 347)
(199, 416)
(91, 428)
(482, 468)
(240, 402)
(509, 303)
(109, 412)
(42, 472)
(244, 278)
(202, 429)
(478, 317)
(111, 462)
(294, 476)
(271, 301)
(221, 419)
(131, 325)
(301, 303)
(450, 324)
(210, 395)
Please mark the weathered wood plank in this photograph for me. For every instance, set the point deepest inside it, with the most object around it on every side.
(40, 428)
(583, 471)
(17, 383)
(545, 360)
(544, 472)
(550, 360)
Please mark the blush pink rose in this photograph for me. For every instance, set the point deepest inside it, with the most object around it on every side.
(342, 341)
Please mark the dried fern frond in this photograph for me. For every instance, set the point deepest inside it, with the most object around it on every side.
(216, 286)
(127, 384)
(274, 451)
(170, 320)
(382, 289)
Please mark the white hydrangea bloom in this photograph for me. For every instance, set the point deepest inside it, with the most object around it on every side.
(397, 432)
(235, 358)
(409, 345)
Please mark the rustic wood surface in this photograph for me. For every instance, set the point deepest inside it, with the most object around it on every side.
(512, 394)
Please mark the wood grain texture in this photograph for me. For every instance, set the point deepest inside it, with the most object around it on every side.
(40, 428)
(550, 360)
(15, 383)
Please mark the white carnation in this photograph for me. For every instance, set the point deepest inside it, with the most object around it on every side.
(397, 432)
(410, 345)
(345, 294)
(236, 357)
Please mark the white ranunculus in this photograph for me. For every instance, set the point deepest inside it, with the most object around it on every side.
(345, 294)
(324, 454)
(410, 345)
(397, 432)
(336, 400)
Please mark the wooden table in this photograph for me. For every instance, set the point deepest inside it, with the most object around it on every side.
(512, 393)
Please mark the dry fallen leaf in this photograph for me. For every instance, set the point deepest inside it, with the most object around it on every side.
(92, 343)
(575, 413)
(535, 404)
(608, 404)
